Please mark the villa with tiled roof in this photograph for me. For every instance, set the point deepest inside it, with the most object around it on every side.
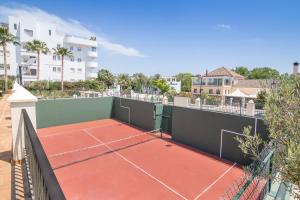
(224, 82)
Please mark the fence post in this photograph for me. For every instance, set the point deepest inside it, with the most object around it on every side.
(250, 108)
(165, 100)
(20, 99)
(198, 102)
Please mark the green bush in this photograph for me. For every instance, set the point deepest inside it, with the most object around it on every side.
(10, 83)
(56, 85)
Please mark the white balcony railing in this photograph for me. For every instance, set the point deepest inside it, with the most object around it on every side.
(91, 64)
(24, 52)
(91, 75)
(92, 54)
(80, 41)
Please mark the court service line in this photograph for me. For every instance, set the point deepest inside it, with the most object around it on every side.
(71, 131)
(98, 145)
(215, 181)
(141, 169)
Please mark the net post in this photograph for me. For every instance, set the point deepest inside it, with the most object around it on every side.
(221, 143)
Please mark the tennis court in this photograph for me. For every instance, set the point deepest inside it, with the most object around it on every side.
(109, 159)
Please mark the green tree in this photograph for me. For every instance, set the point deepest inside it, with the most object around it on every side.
(139, 81)
(162, 85)
(124, 81)
(38, 47)
(242, 71)
(106, 77)
(5, 39)
(282, 114)
(63, 52)
(156, 76)
(263, 73)
(186, 81)
(261, 97)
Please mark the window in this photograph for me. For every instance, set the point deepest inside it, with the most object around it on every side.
(79, 70)
(227, 81)
(78, 48)
(215, 81)
(195, 90)
(58, 57)
(58, 69)
(15, 26)
(58, 45)
(94, 49)
(32, 58)
(71, 48)
(72, 70)
(54, 57)
(78, 59)
(2, 67)
(49, 32)
(210, 91)
(54, 69)
(218, 91)
(72, 59)
(28, 32)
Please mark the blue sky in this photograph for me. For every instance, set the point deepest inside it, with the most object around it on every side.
(171, 36)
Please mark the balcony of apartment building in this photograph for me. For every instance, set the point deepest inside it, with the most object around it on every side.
(29, 72)
(71, 39)
(24, 52)
(91, 64)
(92, 53)
(91, 75)
(1, 54)
(2, 68)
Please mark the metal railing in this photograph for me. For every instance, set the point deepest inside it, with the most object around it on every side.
(255, 181)
(40, 177)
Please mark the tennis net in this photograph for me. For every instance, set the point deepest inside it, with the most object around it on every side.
(41, 180)
(104, 148)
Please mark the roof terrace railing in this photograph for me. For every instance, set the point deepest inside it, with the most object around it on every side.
(41, 179)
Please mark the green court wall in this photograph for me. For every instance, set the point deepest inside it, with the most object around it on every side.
(142, 114)
(202, 129)
(56, 112)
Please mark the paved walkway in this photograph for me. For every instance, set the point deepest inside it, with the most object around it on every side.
(11, 177)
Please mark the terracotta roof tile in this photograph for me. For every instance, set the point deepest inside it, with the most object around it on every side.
(222, 71)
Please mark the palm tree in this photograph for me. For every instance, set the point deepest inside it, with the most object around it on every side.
(6, 38)
(60, 51)
(39, 47)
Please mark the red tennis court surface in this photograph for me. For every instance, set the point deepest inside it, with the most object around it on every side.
(107, 159)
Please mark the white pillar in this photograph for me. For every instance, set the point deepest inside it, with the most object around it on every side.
(20, 99)
(250, 108)
(165, 100)
(198, 102)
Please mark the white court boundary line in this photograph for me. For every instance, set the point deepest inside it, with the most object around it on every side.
(98, 145)
(71, 131)
(215, 181)
(139, 168)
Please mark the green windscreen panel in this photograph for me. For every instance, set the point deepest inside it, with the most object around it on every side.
(135, 112)
(65, 111)
(166, 124)
(202, 129)
(158, 112)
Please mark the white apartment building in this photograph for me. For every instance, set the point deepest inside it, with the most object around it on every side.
(174, 83)
(81, 67)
